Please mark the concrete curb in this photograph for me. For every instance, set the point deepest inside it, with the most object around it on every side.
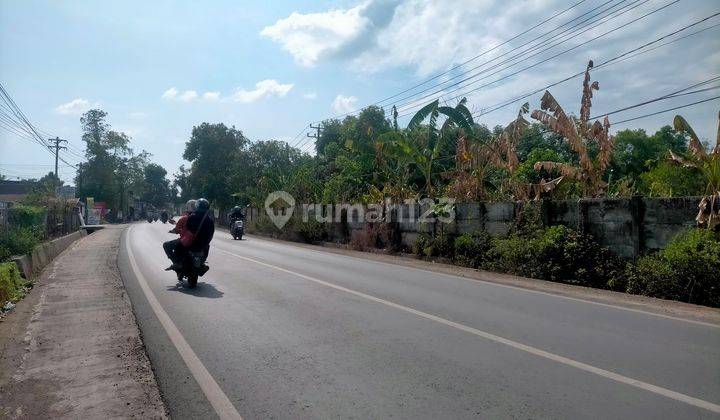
(32, 264)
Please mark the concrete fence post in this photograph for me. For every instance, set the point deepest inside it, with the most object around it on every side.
(637, 212)
(583, 220)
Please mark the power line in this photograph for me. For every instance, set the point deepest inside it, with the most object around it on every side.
(614, 60)
(538, 48)
(22, 122)
(295, 139)
(558, 54)
(681, 92)
(471, 59)
(667, 110)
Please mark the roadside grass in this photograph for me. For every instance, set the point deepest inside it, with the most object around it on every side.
(12, 286)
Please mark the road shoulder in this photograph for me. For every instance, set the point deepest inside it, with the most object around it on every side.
(72, 348)
(182, 395)
(685, 311)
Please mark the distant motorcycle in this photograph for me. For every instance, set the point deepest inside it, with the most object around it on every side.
(149, 218)
(164, 217)
(237, 229)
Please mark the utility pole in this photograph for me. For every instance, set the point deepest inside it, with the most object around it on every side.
(57, 148)
(318, 128)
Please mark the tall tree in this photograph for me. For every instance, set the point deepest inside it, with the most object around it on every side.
(157, 187)
(214, 153)
(331, 133)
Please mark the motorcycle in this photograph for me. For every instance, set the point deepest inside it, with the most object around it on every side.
(164, 217)
(149, 218)
(237, 229)
(193, 266)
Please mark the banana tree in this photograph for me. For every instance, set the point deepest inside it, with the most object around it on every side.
(709, 166)
(579, 134)
(422, 142)
(474, 160)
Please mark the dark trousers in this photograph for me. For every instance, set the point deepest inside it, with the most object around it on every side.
(173, 250)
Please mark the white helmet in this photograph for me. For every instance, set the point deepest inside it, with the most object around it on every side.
(190, 205)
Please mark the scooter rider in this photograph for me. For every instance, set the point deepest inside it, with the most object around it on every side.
(173, 249)
(235, 214)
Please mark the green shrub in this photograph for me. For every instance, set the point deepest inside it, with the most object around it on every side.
(527, 220)
(439, 246)
(428, 246)
(423, 241)
(471, 251)
(26, 216)
(686, 270)
(20, 240)
(262, 224)
(312, 231)
(442, 246)
(11, 284)
(556, 253)
(5, 253)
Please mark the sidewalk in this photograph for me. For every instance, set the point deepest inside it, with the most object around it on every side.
(72, 349)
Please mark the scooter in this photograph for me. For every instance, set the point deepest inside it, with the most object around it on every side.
(193, 266)
(237, 229)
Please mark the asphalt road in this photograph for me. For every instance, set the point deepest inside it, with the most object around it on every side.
(280, 331)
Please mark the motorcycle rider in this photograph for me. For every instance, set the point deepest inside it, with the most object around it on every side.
(235, 214)
(202, 225)
(173, 248)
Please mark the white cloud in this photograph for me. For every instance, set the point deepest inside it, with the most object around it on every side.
(75, 107)
(344, 104)
(170, 93)
(176, 95)
(310, 95)
(309, 36)
(187, 96)
(263, 89)
(211, 96)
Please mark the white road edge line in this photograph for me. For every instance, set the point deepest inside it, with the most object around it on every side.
(508, 286)
(715, 408)
(219, 401)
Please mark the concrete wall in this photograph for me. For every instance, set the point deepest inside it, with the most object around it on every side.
(628, 226)
(32, 264)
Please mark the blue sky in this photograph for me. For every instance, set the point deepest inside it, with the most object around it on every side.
(270, 68)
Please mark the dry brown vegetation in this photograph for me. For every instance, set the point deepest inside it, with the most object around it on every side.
(579, 133)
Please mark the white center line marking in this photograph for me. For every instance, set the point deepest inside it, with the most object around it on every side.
(715, 408)
(219, 401)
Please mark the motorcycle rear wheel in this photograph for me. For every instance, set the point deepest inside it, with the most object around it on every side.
(192, 280)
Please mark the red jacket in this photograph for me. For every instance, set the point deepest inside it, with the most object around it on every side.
(180, 224)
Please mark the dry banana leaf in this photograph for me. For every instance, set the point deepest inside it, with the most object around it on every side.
(716, 150)
(695, 146)
(586, 102)
(566, 170)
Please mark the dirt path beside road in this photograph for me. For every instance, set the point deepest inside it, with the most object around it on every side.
(72, 348)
